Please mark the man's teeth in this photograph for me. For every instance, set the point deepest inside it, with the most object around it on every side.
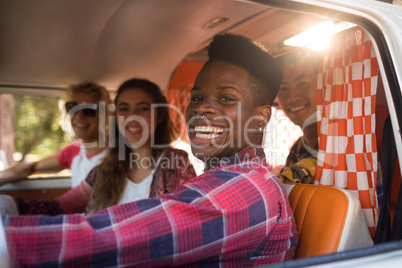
(207, 132)
(296, 109)
(208, 129)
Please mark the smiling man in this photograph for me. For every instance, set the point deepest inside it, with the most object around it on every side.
(231, 100)
(80, 156)
(235, 214)
(297, 97)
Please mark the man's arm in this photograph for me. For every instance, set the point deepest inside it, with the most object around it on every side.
(21, 171)
(4, 259)
(210, 220)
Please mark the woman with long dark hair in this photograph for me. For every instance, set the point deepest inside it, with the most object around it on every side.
(144, 143)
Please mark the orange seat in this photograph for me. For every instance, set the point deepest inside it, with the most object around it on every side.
(328, 220)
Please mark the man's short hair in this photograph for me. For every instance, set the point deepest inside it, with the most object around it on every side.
(99, 92)
(265, 72)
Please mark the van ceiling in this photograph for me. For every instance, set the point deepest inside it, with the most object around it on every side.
(53, 43)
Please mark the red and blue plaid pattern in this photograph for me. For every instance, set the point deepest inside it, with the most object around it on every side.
(237, 214)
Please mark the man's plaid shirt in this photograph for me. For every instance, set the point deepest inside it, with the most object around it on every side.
(237, 214)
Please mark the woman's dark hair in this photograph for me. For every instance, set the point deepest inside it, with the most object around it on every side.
(111, 175)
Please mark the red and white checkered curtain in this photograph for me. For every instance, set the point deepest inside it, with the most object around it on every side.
(347, 86)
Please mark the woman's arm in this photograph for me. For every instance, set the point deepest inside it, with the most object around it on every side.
(73, 201)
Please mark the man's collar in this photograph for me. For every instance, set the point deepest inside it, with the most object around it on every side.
(251, 154)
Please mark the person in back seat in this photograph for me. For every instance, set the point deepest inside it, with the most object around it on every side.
(82, 155)
(140, 164)
(297, 97)
(235, 214)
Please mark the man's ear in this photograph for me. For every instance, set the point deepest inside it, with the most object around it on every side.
(264, 114)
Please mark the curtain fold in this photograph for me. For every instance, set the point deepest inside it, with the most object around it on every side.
(178, 93)
(179, 98)
(347, 86)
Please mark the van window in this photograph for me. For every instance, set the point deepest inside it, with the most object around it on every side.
(31, 128)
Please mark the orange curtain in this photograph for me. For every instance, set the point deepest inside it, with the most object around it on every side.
(178, 93)
(179, 97)
(347, 86)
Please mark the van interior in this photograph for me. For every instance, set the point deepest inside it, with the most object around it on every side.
(49, 44)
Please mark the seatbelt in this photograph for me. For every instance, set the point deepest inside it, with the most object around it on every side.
(385, 232)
